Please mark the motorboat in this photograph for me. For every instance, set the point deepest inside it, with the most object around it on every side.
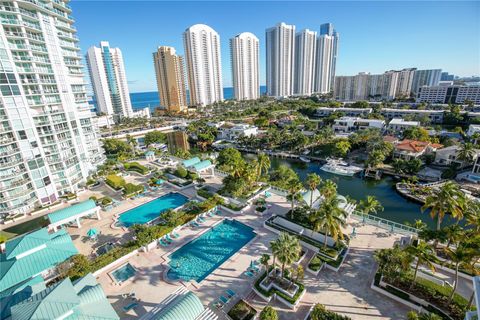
(305, 159)
(340, 167)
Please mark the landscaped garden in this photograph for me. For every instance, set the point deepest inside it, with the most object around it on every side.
(242, 311)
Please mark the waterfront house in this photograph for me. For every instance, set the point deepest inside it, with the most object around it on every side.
(472, 129)
(349, 112)
(231, 132)
(398, 125)
(352, 124)
(434, 116)
(449, 155)
(413, 149)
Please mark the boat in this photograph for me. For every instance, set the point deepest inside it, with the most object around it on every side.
(305, 159)
(340, 167)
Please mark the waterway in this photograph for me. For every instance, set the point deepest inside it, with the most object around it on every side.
(396, 208)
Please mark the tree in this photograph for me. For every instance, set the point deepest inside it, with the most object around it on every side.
(425, 256)
(329, 218)
(461, 254)
(466, 153)
(263, 164)
(299, 273)
(341, 147)
(154, 137)
(313, 180)
(416, 133)
(375, 158)
(370, 205)
(393, 262)
(268, 313)
(264, 260)
(412, 315)
(230, 159)
(293, 187)
(449, 199)
(282, 176)
(287, 249)
(132, 142)
(328, 189)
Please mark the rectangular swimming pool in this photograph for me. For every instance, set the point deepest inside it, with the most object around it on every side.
(201, 256)
(151, 210)
(123, 273)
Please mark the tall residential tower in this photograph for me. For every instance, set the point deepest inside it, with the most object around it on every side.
(244, 51)
(48, 144)
(327, 49)
(305, 49)
(204, 66)
(109, 80)
(169, 70)
(280, 41)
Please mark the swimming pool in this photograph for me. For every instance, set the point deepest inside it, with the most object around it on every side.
(151, 210)
(123, 273)
(198, 258)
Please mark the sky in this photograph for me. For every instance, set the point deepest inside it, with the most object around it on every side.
(375, 36)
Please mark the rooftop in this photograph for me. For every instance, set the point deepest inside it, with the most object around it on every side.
(190, 162)
(71, 211)
(400, 121)
(416, 146)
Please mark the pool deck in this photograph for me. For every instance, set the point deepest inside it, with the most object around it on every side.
(347, 292)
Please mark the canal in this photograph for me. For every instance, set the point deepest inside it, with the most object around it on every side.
(396, 208)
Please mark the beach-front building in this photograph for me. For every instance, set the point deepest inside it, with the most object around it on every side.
(35, 254)
(352, 124)
(412, 149)
(80, 299)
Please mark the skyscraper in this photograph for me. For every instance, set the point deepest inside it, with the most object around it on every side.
(305, 50)
(326, 60)
(280, 41)
(204, 66)
(422, 78)
(109, 80)
(169, 70)
(48, 145)
(244, 51)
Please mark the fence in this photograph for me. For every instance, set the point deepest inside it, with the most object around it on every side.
(384, 223)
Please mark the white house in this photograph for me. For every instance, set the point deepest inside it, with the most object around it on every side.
(351, 124)
(231, 132)
(449, 155)
(349, 112)
(399, 125)
(472, 129)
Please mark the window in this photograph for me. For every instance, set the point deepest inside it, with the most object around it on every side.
(22, 134)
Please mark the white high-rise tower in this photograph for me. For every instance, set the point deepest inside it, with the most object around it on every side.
(202, 55)
(109, 81)
(280, 41)
(305, 50)
(48, 144)
(327, 48)
(244, 50)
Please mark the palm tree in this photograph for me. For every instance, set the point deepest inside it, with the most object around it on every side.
(264, 260)
(449, 199)
(454, 234)
(329, 218)
(472, 214)
(328, 189)
(132, 142)
(263, 164)
(293, 187)
(425, 256)
(466, 152)
(312, 182)
(288, 250)
(274, 246)
(460, 255)
(370, 205)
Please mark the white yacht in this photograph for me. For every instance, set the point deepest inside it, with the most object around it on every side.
(340, 167)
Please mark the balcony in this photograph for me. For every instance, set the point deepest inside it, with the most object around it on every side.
(7, 140)
(17, 195)
(11, 163)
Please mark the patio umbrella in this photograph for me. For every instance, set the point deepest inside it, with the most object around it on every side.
(252, 264)
(159, 181)
(92, 233)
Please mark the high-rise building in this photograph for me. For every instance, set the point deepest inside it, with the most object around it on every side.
(204, 66)
(305, 50)
(365, 86)
(425, 78)
(280, 42)
(449, 94)
(169, 70)
(445, 76)
(109, 81)
(404, 82)
(48, 145)
(326, 60)
(244, 51)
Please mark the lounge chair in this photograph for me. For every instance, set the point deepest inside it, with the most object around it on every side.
(194, 224)
(168, 238)
(201, 219)
(230, 293)
(249, 274)
(163, 243)
(219, 305)
(254, 269)
(175, 234)
(130, 306)
(224, 300)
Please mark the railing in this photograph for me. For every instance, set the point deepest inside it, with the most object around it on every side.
(383, 223)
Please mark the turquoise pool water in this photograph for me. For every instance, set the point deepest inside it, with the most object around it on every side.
(198, 258)
(123, 273)
(151, 210)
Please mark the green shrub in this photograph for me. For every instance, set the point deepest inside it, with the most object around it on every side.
(115, 181)
(105, 201)
(181, 172)
(130, 189)
(315, 264)
(135, 166)
(268, 313)
(319, 312)
(204, 193)
(242, 311)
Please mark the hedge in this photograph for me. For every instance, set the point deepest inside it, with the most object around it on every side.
(300, 290)
(315, 263)
(319, 312)
(135, 166)
(130, 189)
(115, 181)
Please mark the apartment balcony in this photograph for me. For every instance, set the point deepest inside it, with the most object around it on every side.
(10, 197)
(14, 183)
(7, 140)
(12, 209)
(31, 26)
(12, 163)
(9, 152)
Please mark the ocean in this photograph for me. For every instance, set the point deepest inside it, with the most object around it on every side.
(150, 99)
